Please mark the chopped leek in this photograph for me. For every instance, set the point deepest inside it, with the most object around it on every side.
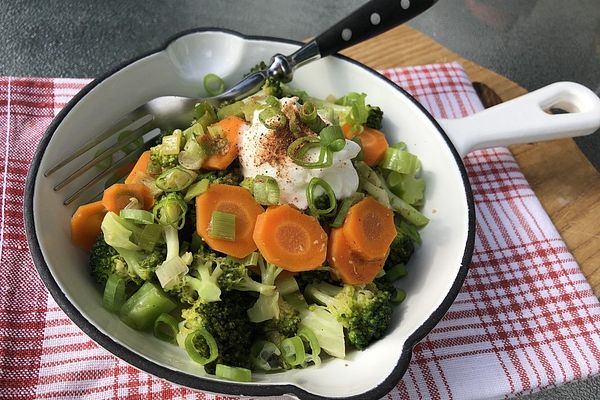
(265, 190)
(213, 84)
(169, 273)
(233, 109)
(175, 179)
(315, 349)
(292, 351)
(114, 293)
(196, 189)
(150, 236)
(138, 216)
(400, 161)
(396, 272)
(272, 118)
(311, 197)
(166, 328)
(201, 338)
(238, 374)
(145, 305)
(265, 355)
(222, 226)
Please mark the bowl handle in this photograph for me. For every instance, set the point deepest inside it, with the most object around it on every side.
(528, 118)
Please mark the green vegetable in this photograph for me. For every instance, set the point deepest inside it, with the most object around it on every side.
(311, 197)
(175, 179)
(265, 190)
(213, 84)
(165, 328)
(222, 226)
(137, 216)
(195, 344)
(266, 307)
(114, 293)
(298, 149)
(144, 306)
(332, 138)
(265, 355)
(233, 373)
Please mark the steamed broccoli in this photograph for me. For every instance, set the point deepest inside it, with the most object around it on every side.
(122, 235)
(267, 305)
(105, 261)
(365, 312)
(201, 283)
(316, 275)
(228, 323)
(235, 277)
(375, 117)
(401, 249)
(272, 87)
(285, 325)
(164, 155)
(234, 177)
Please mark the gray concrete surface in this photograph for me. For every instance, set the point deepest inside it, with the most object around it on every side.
(533, 42)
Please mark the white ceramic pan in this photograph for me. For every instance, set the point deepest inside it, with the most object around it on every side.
(437, 269)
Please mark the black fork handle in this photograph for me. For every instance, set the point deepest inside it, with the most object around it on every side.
(371, 19)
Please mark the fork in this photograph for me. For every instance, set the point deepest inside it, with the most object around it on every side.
(170, 112)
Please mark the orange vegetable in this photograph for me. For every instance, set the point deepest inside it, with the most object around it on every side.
(349, 265)
(117, 196)
(373, 143)
(233, 200)
(290, 239)
(139, 169)
(231, 127)
(369, 228)
(86, 223)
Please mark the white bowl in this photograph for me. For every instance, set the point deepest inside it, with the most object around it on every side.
(436, 271)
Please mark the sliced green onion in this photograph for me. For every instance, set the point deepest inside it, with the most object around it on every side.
(175, 179)
(286, 284)
(166, 328)
(171, 210)
(273, 102)
(311, 196)
(309, 115)
(150, 236)
(222, 226)
(400, 161)
(265, 190)
(344, 207)
(265, 355)
(398, 296)
(115, 293)
(298, 149)
(138, 216)
(233, 109)
(193, 155)
(295, 126)
(332, 138)
(272, 118)
(194, 131)
(315, 349)
(249, 108)
(202, 338)
(196, 189)
(171, 144)
(292, 351)
(213, 84)
(169, 273)
(144, 306)
(205, 114)
(396, 272)
(237, 374)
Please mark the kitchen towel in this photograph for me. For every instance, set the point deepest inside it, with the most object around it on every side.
(525, 318)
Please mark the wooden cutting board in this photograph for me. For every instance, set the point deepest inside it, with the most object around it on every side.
(566, 183)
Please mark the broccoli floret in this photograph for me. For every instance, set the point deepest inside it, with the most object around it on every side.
(235, 277)
(267, 305)
(272, 87)
(401, 249)
(316, 275)
(161, 162)
(258, 67)
(375, 117)
(105, 261)
(285, 325)
(228, 323)
(365, 312)
(231, 176)
(118, 233)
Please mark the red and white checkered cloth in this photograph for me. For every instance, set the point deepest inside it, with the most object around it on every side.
(525, 318)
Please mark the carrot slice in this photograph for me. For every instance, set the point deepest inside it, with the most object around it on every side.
(86, 224)
(233, 200)
(373, 143)
(231, 127)
(369, 228)
(349, 265)
(290, 239)
(139, 168)
(117, 196)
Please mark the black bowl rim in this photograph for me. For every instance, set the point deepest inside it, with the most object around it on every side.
(200, 383)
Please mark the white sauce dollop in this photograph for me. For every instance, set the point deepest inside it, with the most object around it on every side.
(261, 152)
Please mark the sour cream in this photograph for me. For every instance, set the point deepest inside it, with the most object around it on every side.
(263, 151)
